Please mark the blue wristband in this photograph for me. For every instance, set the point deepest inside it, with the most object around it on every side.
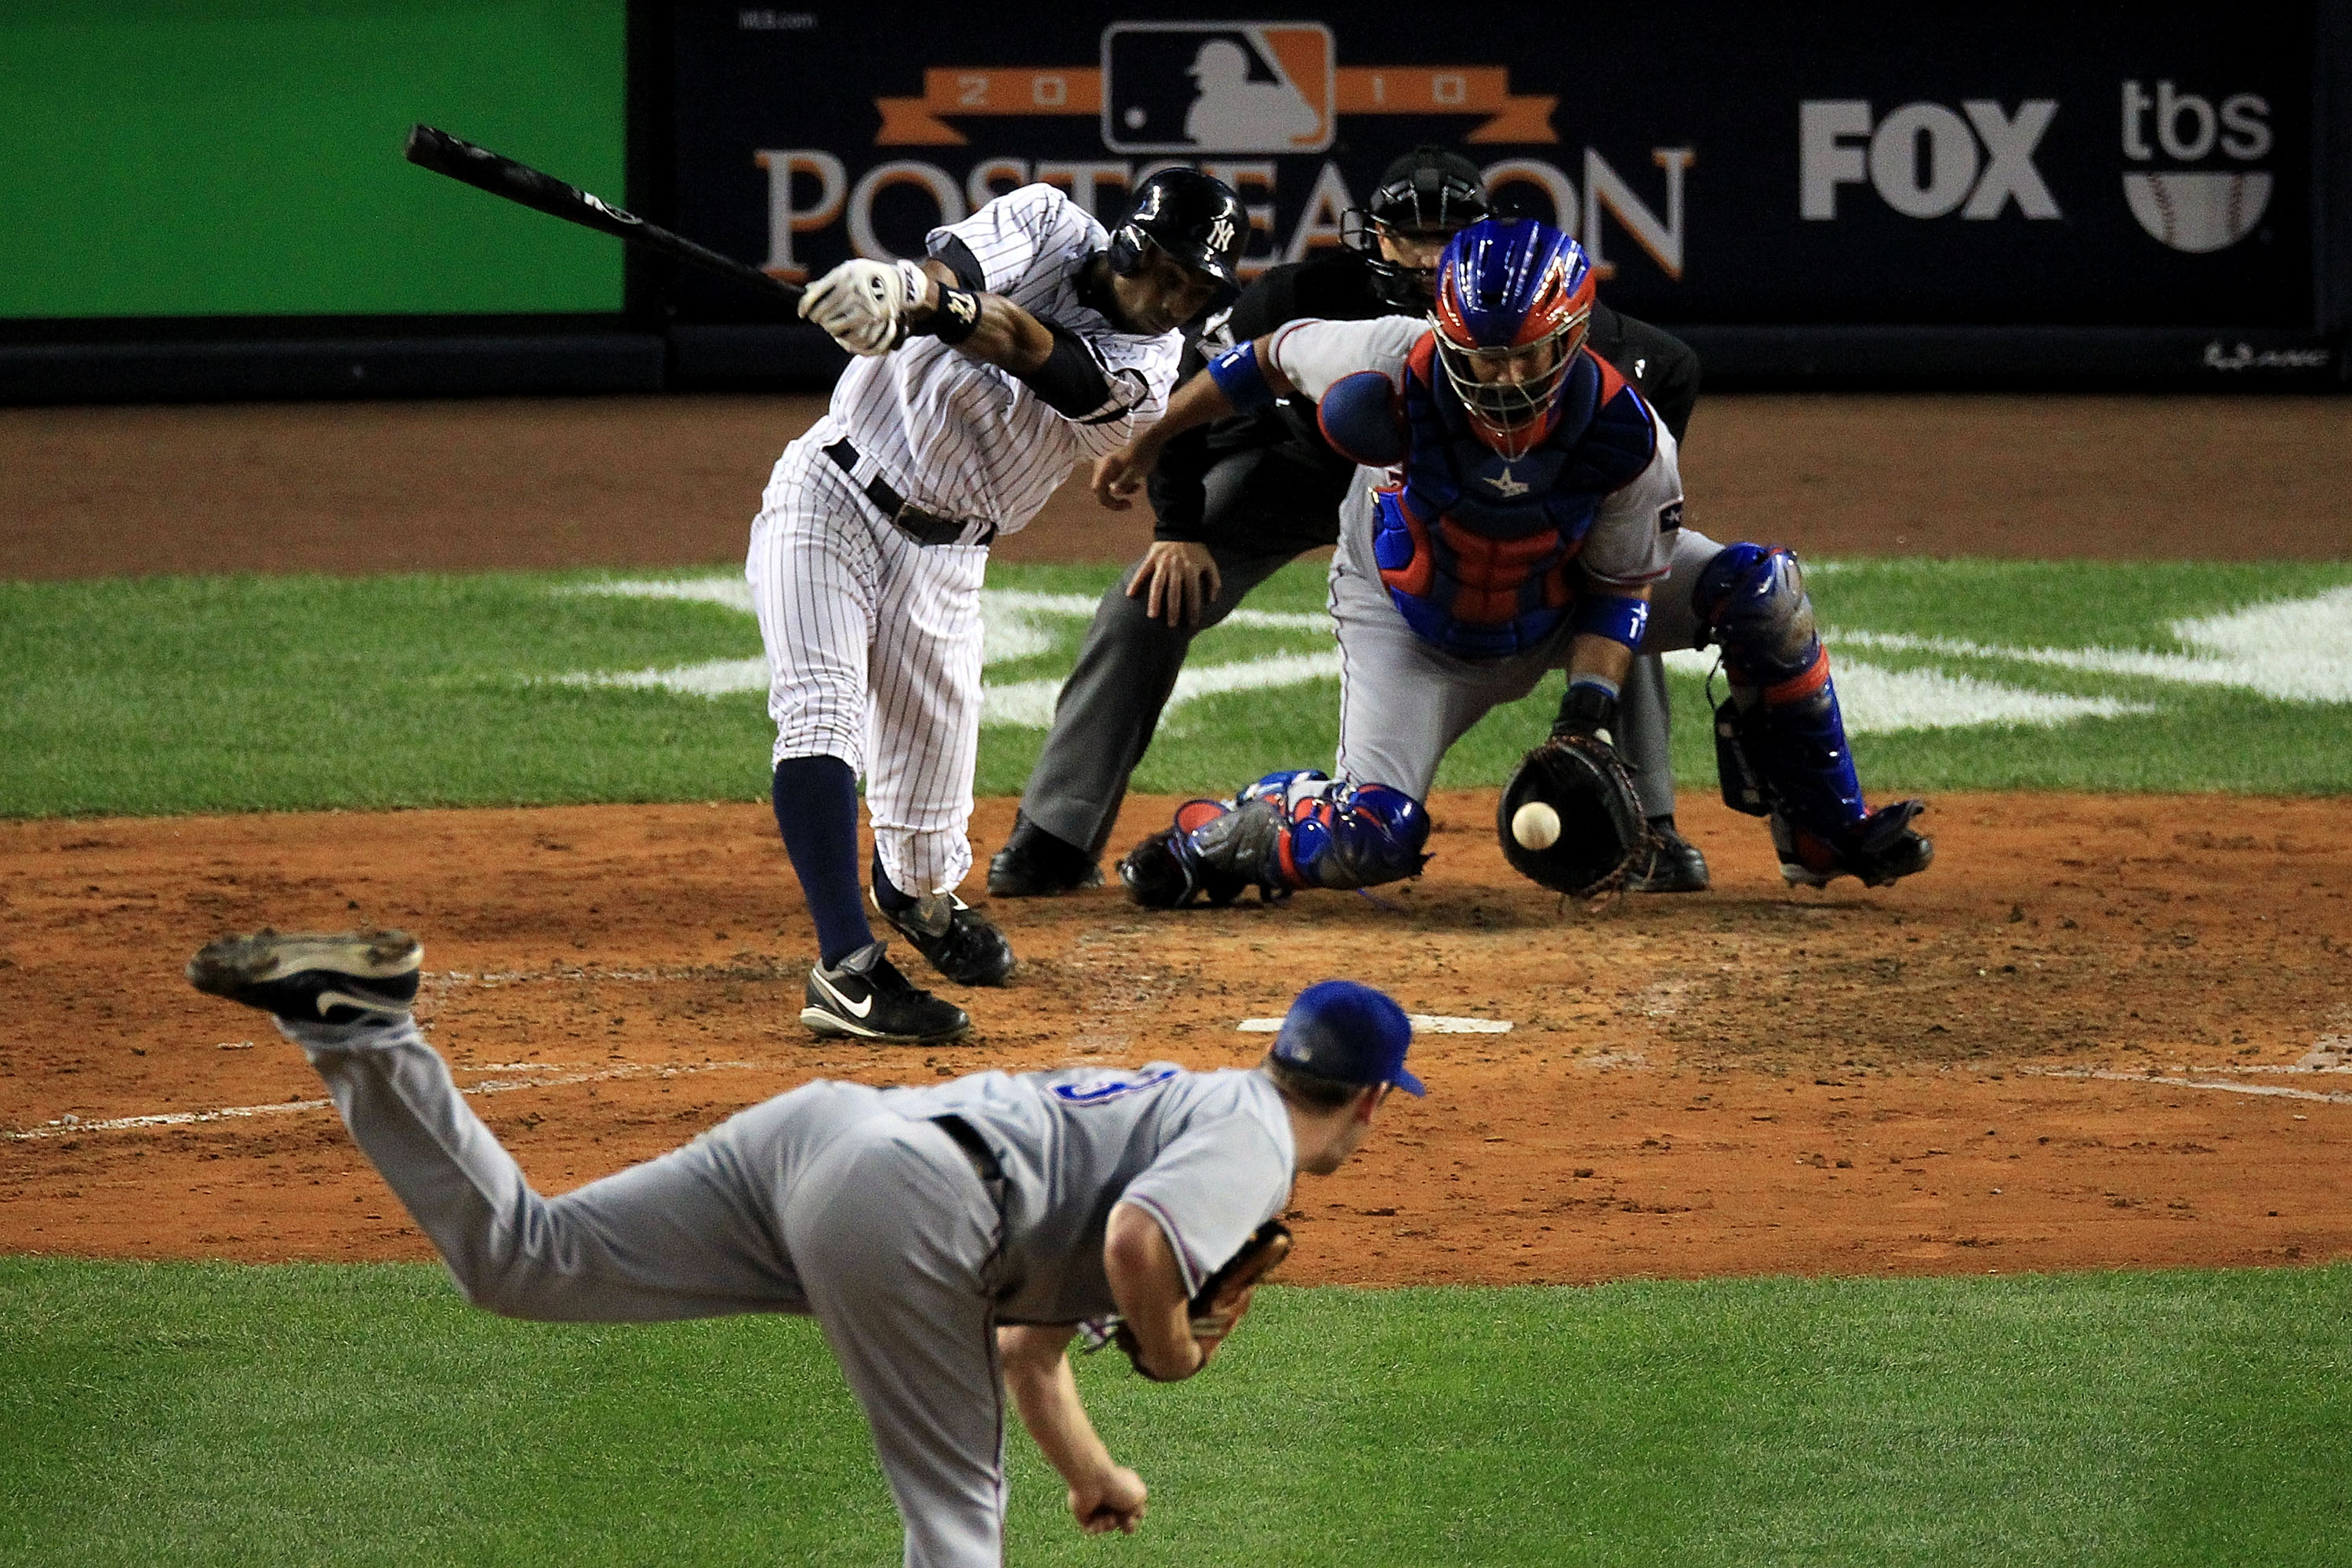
(1239, 378)
(1613, 616)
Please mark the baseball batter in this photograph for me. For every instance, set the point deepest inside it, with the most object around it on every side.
(1029, 340)
(1235, 501)
(948, 1239)
(1520, 511)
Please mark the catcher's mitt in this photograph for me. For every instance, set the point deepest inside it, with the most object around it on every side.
(1595, 834)
(1217, 1305)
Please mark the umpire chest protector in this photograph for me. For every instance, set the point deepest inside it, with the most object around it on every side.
(1475, 548)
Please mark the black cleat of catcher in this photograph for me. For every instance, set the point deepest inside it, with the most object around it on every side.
(1033, 863)
(337, 977)
(1675, 864)
(864, 997)
(958, 940)
(1883, 850)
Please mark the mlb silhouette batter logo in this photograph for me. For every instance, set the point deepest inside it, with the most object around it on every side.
(1217, 86)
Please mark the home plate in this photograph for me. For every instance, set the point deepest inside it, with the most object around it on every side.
(1423, 1022)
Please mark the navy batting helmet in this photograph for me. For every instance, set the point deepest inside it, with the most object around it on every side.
(1196, 219)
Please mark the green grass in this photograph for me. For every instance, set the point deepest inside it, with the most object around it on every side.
(213, 1413)
(172, 694)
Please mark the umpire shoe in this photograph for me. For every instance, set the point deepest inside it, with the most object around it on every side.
(866, 998)
(957, 939)
(1035, 863)
(335, 977)
(1675, 865)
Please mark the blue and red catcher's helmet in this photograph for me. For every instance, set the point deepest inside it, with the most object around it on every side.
(1506, 287)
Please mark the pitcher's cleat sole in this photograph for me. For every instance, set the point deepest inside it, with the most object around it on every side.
(335, 977)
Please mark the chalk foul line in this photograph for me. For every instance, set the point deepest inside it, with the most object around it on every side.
(74, 1126)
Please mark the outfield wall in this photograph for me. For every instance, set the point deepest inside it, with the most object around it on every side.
(2002, 194)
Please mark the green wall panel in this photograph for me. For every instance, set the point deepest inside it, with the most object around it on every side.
(242, 157)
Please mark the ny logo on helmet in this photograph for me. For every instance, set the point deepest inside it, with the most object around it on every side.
(1221, 230)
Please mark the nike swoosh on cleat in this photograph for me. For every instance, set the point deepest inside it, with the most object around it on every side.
(854, 1009)
(331, 999)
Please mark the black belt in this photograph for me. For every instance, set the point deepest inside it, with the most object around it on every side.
(922, 527)
(976, 1148)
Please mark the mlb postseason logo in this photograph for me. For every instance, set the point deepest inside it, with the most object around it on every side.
(1218, 86)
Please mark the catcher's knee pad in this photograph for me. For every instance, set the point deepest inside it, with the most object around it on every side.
(1751, 599)
(1352, 835)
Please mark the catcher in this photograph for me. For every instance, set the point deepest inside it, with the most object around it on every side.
(1522, 512)
(948, 1238)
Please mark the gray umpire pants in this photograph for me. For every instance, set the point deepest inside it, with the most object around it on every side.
(1109, 707)
(818, 1202)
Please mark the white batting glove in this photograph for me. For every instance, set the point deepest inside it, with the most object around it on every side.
(863, 305)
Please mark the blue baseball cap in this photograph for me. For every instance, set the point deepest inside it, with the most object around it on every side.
(1347, 1033)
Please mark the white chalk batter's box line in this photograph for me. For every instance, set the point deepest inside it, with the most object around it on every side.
(2296, 650)
(74, 1126)
(1423, 1022)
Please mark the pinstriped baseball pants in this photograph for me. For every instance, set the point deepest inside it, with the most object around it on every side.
(874, 657)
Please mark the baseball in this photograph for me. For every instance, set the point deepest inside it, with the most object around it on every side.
(1536, 825)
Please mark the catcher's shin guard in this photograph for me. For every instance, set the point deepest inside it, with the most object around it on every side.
(1331, 834)
(1167, 870)
(1285, 832)
(1780, 742)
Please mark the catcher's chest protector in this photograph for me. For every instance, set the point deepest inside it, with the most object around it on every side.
(1475, 548)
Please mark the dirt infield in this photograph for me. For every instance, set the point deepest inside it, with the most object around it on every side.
(2095, 1035)
(2100, 1032)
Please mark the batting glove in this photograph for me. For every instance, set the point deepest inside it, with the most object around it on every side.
(863, 305)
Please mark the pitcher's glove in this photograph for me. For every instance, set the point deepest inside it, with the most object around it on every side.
(1571, 820)
(1218, 1305)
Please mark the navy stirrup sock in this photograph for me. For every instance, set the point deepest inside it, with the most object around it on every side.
(885, 892)
(816, 811)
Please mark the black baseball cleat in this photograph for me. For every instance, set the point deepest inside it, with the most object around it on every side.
(958, 940)
(864, 996)
(337, 977)
(1675, 865)
(1033, 863)
(1883, 850)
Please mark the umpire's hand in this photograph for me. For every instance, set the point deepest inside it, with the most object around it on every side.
(1176, 580)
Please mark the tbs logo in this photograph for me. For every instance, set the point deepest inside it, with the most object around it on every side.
(1924, 160)
(2196, 210)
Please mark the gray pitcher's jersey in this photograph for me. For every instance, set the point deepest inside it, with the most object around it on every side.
(1208, 1155)
(970, 440)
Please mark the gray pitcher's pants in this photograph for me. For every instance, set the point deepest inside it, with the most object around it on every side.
(817, 1202)
(1109, 707)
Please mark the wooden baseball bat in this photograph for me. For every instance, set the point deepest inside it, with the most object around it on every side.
(501, 176)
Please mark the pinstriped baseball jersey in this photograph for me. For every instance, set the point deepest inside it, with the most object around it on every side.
(970, 440)
(874, 640)
(1208, 1155)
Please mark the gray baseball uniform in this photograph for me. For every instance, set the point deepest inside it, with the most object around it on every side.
(851, 1205)
(1403, 701)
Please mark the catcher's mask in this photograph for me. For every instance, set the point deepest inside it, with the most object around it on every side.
(1514, 301)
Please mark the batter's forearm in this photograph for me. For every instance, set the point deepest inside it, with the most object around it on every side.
(1004, 333)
